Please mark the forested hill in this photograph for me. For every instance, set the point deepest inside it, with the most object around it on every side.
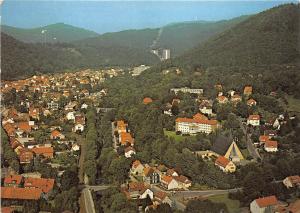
(178, 37)
(20, 59)
(270, 37)
(58, 32)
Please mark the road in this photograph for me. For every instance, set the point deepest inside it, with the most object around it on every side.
(88, 201)
(115, 146)
(250, 146)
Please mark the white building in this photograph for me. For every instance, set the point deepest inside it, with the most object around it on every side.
(263, 205)
(292, 181)
(253, 120)
(129, 151)
(206, 110)
(166, 54)
(187, 90)
(71, 116)
(193, 126)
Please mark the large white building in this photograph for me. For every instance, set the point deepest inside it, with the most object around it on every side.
(187, 90)
(166, 54)
(194, 126)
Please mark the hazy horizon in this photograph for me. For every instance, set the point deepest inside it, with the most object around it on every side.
(113, 16)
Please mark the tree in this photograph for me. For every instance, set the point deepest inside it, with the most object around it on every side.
(69, 179)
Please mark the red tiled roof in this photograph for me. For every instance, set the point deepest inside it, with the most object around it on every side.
(271, 144)
(264, 138)
(182, 179)
(46, 185)
(254, 117)
(167, 179)
(160, 195)
(266, 201)
(6, 210)
(190, 120)
(222, 161)
(24, 126)
(20, 193)
(15, 179)
(200, 117)
(46, 151)
(136, 163)
(55, 133)
(126, 138)
(147, 100)
(248, 90)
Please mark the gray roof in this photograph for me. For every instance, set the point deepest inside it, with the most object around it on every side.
(221, 144)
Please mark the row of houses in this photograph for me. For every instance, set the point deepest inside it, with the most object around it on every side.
(16, 187)
(167, 178)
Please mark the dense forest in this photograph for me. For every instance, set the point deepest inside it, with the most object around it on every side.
(270, 37)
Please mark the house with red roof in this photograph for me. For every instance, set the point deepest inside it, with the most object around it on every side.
(264, 204)
(169, 182)
(47, 152)
(13, 180)
(57, 135)
(248, 90)
(222, 99)
(137, 168)
(162, 197)
(151, 175)
(271, 146)
(251, 102)
(225, 164)
(12, 193)
(129, 151)
(253, 120)
(25, 156)
(137, 190)
(147, 100)
(125, 138)
(46, 185)
(183, 182)
(292, 181)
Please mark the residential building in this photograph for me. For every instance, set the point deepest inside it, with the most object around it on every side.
(57, 135)
(225, 165)
(263, 205)
(248, 90)
(147, 100)
(151, 176)
(253, 120)
(169, 182)
(125, 138)
(137, 168)
(251, 102)
(47, 152)
(222, 99)
(46, 185)
(138, 190)
(13, 180)
(183, 182)
(129, 151)
(20, 193)
(292, 181)
(271, 146)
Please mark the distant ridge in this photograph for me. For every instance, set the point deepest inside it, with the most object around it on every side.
(58, 32)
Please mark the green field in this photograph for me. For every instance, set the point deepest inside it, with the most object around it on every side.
(233, 206)
(178, 138)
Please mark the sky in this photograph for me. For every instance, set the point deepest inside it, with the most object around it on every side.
(112, 16)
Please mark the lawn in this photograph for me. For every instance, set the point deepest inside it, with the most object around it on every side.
(176, 137)
(233, 206)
